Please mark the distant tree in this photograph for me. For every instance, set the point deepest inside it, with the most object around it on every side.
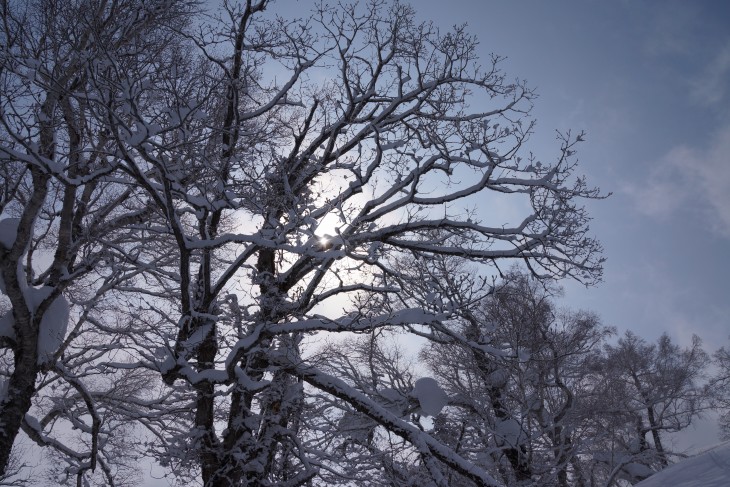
(518, 386)
(718, 389)
(231, 187)
(644, 391)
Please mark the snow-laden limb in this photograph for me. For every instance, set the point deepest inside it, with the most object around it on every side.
(356, 323)
(423, 442)
(216, 190)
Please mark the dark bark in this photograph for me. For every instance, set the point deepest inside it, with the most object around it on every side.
(204, 415)
(516, 454)
(656, 436)
(21, 389)
(21, 386)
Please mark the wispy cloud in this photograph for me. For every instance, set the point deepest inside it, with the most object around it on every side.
(670, 29)
(711, 86)
(688, 177)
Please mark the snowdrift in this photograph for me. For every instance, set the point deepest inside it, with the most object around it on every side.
(708, 469)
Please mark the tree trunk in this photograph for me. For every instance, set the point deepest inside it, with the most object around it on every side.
(516, 454)
(21, 389)
(21, 386)
(655, 435)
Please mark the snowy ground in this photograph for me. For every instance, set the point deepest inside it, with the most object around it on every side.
(708, 469)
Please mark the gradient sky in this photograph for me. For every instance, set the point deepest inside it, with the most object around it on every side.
(650, 84)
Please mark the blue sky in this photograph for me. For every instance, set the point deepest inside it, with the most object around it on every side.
(650, 84)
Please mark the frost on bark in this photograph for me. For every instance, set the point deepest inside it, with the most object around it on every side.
(257, 181)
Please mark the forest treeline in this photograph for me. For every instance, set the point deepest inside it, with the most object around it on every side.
(540, 396)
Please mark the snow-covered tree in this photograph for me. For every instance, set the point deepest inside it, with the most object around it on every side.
(355, 449)
(61, 204)
(518, 386)
(719, 389)
(234, 185)
(644, 391)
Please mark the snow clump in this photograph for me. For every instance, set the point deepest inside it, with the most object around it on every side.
(430, 396)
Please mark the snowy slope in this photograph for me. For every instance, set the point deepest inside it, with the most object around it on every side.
(708, 469)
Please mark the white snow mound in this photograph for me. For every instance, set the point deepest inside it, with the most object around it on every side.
(430, 396)
(8, 231)
(510, 430)
(53, 324)
(708, 469)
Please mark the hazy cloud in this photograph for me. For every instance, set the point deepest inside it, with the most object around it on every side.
(711, 86)
(689, 177)
(671, 28)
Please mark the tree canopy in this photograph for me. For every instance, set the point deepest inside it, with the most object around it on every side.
(191, 200)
